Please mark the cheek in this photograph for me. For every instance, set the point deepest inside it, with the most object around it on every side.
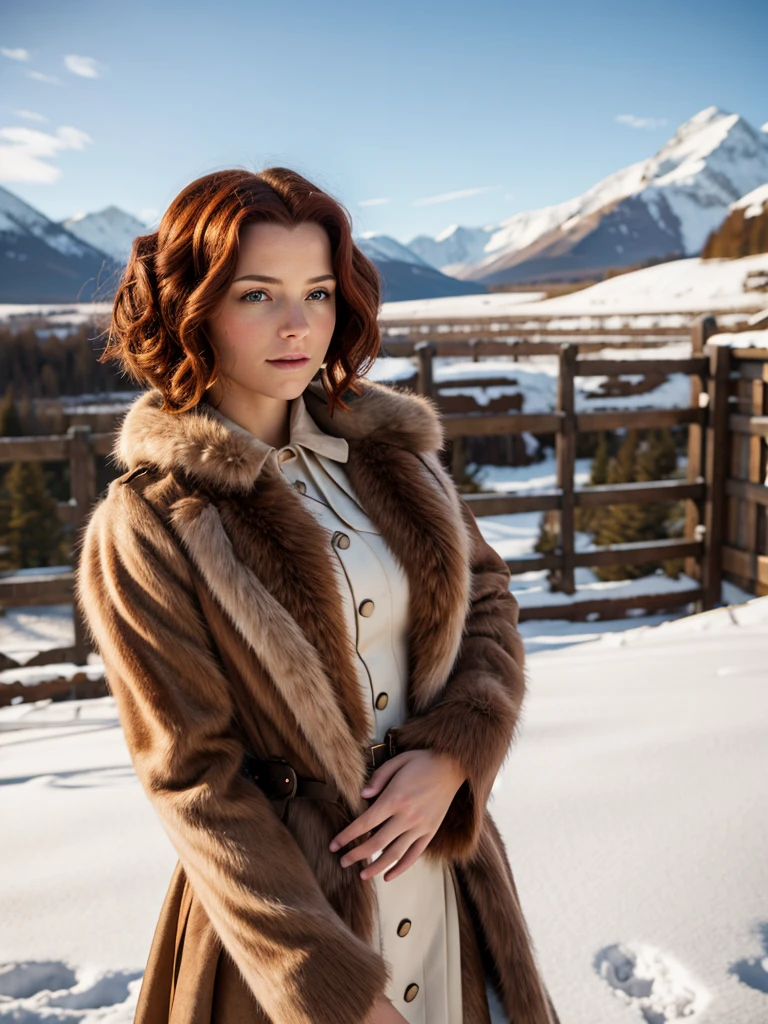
(234, 331)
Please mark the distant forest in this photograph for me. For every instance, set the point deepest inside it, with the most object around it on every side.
(44, 362)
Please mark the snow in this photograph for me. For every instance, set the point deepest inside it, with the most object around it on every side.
(690, 286)
(71, 313)
(111, 230)
(536, 379)
(381, 247)
(18, 218)
(630, 807)
(753, 202)
(744, 339)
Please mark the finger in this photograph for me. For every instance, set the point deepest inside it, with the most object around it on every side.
(390, 855)
(382, 775)
(380, 839)
(366, 822)
(409, 858)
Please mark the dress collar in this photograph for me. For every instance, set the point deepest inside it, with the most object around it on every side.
(302, 430)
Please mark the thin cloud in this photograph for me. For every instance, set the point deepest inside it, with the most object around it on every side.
(40, 77)
(447, 197)
(374, 202)
(641, 122)
(85, 67)
(17, 54)
(30, 115)
(25, 153)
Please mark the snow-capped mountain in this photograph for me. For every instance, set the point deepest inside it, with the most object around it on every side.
(405, 275)
(667, 204)
(40, 261)
(111, 230)
(453, 247)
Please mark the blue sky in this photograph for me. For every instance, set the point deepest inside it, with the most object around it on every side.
(415, 115)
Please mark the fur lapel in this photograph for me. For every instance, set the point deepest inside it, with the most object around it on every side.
(267, 560)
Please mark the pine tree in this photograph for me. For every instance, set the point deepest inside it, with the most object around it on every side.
(652, 459)
(587, 518)
(34, 534)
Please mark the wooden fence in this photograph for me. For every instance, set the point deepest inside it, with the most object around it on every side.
(724, 490)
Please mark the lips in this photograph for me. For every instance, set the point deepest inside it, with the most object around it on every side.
(290, 362)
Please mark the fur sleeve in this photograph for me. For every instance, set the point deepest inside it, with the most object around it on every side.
(476, 716)
(301, 961)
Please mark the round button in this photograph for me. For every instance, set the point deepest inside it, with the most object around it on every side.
(341, 540)
(366, 607)
(382, 700)
(300, 486)
(411, 992)
(404, 927)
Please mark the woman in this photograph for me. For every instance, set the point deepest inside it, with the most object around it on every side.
(313, 651)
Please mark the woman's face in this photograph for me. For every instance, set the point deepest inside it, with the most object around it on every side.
(282, 302)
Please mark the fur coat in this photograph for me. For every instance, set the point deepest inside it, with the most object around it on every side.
(208, 590)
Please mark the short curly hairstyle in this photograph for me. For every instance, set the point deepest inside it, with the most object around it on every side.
(176, 276)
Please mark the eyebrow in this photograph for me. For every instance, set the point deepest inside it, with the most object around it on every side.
(276, 280)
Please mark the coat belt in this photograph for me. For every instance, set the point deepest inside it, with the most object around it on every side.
(279, 781)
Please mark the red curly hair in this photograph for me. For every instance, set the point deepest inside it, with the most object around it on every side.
(176, 276)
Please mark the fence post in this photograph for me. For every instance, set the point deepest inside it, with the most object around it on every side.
(82, 475)
(716, 460)
(702, 331)
(424, 351)
(565, 453)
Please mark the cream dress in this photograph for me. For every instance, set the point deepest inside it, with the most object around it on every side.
(417, 928)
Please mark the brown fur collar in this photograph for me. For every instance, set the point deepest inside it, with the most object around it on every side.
(208, 451)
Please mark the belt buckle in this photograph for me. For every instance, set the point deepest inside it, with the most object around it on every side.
(388, 745)
(372, 765)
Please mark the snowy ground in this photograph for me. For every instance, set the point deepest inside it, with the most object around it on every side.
(631, 807)
(678, 287)
(536, 379)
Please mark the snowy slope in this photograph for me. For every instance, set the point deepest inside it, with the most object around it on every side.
(682, 286)
(630, 806)
(111, 230)
(667, 203)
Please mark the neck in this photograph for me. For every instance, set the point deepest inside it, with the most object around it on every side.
(266, 417)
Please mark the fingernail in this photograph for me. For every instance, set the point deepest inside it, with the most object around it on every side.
(334, 846)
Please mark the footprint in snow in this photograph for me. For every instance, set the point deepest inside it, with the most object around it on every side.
(652, 982)
(753, 971)
(57, 992)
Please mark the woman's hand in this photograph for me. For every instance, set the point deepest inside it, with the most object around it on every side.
(383, 1012)
(416, 789)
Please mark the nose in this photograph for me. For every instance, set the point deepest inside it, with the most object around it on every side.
(296, 325)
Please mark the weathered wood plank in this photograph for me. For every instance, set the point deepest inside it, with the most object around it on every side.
(715, 474)
(642, 419)
(589, 367)
(610, 608)
(638, 552)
